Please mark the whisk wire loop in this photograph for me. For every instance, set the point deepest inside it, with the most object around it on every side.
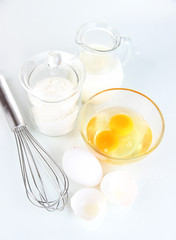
(33, 178)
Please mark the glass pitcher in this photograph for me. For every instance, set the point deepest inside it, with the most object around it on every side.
(99, 47)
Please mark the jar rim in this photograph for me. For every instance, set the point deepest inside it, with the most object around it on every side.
(68, 58)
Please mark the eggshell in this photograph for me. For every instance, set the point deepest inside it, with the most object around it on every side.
(119, 187)
(82, 167)
(88, 204)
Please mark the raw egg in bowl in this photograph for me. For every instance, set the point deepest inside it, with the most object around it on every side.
(121, 125)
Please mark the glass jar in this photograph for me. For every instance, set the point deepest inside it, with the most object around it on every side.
(101, 53)
(53, 82)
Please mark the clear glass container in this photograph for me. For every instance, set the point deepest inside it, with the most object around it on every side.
(102, 51)
(127, 99)
(53, 82)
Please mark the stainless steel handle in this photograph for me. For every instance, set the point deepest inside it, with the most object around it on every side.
(9, 105)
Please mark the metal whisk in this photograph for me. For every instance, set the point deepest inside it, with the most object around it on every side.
(45, 182)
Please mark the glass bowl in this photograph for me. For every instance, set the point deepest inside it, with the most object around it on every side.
(123, 98)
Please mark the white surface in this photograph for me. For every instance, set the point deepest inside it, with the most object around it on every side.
(29, 27)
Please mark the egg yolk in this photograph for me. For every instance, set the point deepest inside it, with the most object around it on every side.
(121, 124)
(107, 141)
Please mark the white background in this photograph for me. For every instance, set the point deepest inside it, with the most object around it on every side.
(29, 27)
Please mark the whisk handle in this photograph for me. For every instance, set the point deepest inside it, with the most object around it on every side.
(9, 106)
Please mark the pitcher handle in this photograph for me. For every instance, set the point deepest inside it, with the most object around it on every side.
(127, 42)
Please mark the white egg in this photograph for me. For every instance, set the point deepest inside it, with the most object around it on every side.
(82, 167)
(89, 204)
(119, 187)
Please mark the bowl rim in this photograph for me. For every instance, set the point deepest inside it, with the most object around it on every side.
(128, 158)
